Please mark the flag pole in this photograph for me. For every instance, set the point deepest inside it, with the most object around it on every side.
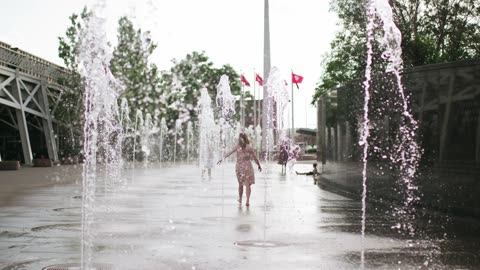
(254, 111)
(242, 124)
(254, 104)
(293, 112)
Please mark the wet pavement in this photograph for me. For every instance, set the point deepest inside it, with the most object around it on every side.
(169, 218)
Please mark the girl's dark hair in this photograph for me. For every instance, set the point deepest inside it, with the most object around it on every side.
(243, 140)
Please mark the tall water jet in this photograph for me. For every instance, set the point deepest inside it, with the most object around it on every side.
(277, 95)
(209, 132)
(177, 130)
(407, 152)
(163, 133)
(147, 131)
(125, 120)
(226, 103)
(258, 138)
(138, 123)
(101, 124)
(189, 147)
(365, 128)
(126, 123)
(238, 129)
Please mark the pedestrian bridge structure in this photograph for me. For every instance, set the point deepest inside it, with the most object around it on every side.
(29, 96)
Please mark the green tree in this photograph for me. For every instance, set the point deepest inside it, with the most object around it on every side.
(182, 83)
(67, 49)
(69, 113)
(432, 32)
(452, 26)
(346, 59)
(130, 64)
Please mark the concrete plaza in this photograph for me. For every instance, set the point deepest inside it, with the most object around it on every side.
(170, 218)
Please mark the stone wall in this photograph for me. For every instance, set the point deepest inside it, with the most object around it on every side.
(445, 100)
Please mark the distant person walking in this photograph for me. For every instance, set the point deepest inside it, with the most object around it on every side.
(283, 155)
(243, 167)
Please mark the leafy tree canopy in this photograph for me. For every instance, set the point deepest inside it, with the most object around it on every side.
(433, 31)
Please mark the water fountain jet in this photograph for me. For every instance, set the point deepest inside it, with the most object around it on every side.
(226, 103)
(102, 131)
(408, 152)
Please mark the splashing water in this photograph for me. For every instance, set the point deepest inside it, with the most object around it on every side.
(225, 100)
(408, 152)
(226, 103)
(163, 133)
(365, 132)
(189, 140)
(147, 131)
(209, 132)
(277, 95)
(102, 132)
(258, 138)
(125, 114)
(138, 123)
(177, 130)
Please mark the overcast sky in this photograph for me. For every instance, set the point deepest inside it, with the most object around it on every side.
(229, 31)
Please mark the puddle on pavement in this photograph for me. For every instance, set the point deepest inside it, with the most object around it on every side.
(62, 227)
(8, 234)
(260, 244)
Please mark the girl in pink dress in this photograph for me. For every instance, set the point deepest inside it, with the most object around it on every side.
(243, 167)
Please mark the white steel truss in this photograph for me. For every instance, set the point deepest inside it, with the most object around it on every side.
(28, 85)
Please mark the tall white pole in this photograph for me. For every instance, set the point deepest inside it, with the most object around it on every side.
(266, 71)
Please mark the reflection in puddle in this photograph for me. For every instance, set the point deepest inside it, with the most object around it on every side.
(260, 243)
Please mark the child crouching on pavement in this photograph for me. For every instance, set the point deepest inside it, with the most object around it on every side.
(314, 173)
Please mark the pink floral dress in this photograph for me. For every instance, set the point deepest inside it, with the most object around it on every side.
(243, 167)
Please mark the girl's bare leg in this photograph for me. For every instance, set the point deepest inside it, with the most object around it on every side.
(249, 191)
(240, 192)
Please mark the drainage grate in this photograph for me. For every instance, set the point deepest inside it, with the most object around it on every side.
(77, 266)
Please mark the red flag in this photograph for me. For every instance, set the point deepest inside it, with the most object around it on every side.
(245, 81)
(259, 80)
(296, 79)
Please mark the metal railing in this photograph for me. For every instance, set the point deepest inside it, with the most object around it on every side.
(30, 64)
